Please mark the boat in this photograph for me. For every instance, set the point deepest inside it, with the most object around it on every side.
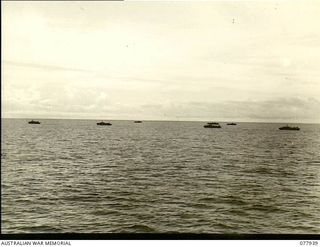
(138, 121)
(103, 123)
(287, 127)
(231, 124)
(212, 125)
(33, 122)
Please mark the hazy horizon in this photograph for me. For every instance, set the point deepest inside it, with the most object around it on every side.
(162, 61)
(155, 120)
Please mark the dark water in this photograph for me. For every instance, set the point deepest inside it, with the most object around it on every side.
(74, 176)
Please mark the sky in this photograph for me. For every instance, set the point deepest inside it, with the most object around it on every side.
(256, 61)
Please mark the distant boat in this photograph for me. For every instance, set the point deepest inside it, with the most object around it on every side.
(231, 124)
(287, 127)
(212, 125)
(103, 123)
(34, 122)
(138, 121)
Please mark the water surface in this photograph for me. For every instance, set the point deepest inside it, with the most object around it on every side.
(74, 176)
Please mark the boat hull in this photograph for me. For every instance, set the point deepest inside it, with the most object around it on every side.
(289, 128)
(212, 127)
(104, 124)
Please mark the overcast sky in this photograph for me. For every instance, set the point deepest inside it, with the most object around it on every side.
(219, 61)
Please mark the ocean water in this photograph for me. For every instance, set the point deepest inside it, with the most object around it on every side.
(74, 176)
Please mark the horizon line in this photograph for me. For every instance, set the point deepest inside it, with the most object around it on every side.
(158, 120)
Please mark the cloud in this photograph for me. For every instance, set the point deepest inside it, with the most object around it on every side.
(162, 60)
(278, 110)
(42, 66)
(293, 109)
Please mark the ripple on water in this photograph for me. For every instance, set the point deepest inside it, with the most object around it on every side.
(70, 176)
(136, 228)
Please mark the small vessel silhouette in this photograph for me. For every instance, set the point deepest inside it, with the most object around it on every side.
(33, 122)
(103, 123)
(231, 124)
(138, 121)
(287, 127)
(212, 125)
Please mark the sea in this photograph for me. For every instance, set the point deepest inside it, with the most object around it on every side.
(72, 176)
